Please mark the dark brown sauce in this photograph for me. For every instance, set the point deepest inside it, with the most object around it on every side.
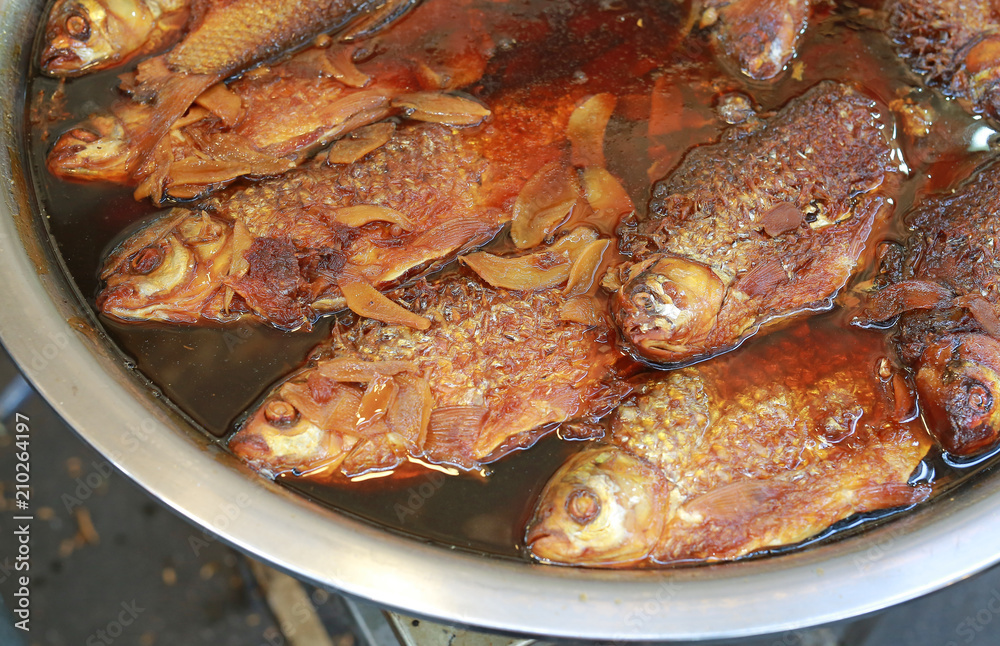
(666, 87)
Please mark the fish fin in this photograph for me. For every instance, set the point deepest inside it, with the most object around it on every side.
(167, 95)
(737, 502)
(452, 433)
(885, 496)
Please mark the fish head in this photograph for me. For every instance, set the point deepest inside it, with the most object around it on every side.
(277, 438)
(87, 35)
(300, 426)
(172, 269)
(958, 384)
(668, 307)
(95, 149)
(603, 507)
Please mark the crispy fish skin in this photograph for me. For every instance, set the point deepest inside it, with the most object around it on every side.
(83, 36)
(497, 369)
(766, 224)
(760, 35)
(286, 264)
(942, 283)
(428, 193)
(226, 39)
(278, 115)
(726, 463)
(954, 44)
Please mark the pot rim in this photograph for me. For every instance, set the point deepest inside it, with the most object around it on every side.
(53, 337)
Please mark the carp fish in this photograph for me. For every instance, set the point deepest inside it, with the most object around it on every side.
(942, 283)
(282, 250)
(493, 371)
(277, 116)
(954, 45)
(767, 224)
(226, 39)
(719, 460)
(84, 36)
(761, 36)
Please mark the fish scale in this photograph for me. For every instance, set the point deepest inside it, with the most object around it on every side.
(766, 224)
(721, 459)
(472, 357)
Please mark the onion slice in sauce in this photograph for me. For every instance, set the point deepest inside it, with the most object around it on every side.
(586, 127)
(365, 300)
(545, 202)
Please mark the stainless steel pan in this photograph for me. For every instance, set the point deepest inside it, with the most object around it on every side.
(53, 336)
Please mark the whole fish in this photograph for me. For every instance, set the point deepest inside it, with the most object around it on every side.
(276, 117)
(954, 45)
(736, 455)
(494, 370)
(764, 225)
(226, 39)
(88, 35)
(942, 283)
(760, 35)
(281, 250)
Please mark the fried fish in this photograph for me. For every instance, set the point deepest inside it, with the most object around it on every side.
(226, 39)
(282, 250)
(954, 45)
(767, 224)
(761, 36)
(277, 116)
(942, 282)
(715, 461)
(493, 371)
(84, 36)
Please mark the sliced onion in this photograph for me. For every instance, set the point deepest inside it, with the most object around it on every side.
(583, 273)
(365, 300)
(356, 216)
(375, 404)
(607, 197)
(341, 67)
(586, 129)
(222, 102)
(525, 273)
(359, 371)
(545, 202)
(410, 414)
(581, 309)
(359, 143)
(438, 107)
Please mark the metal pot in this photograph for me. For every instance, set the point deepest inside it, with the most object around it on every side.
(51, 333)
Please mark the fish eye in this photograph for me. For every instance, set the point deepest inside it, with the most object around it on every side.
(280, 413)
(583, 506)
(979, 399)
(78, 27)
(145, 260)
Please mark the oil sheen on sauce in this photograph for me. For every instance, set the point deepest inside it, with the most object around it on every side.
(667, 89)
